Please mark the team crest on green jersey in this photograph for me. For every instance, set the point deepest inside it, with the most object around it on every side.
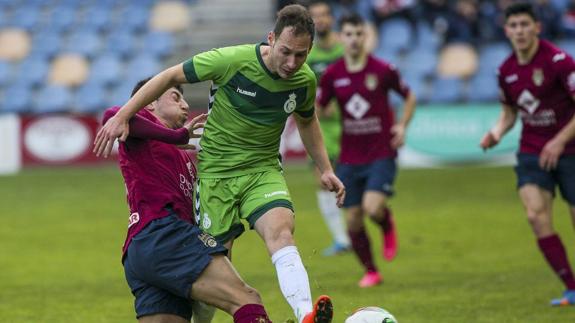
(290, 104)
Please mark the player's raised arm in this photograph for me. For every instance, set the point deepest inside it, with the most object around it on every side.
(117, 126)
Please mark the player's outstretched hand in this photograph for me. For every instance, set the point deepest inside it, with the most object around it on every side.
(550, 154)
(398, 136)
(195, 124)
(489, 140)
(115, 127)
(333, 184)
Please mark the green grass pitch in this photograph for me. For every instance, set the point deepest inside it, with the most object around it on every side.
(466, 251)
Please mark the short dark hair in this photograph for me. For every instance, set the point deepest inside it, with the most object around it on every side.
(141, 83)
(520, 8)
(352, 19)
(295, 16)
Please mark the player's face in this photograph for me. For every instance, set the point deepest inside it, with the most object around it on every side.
(288, 52)
(322, 19)
(522, 31)
(172, 108)
(352, 38)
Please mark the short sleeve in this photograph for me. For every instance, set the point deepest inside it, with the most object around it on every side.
(307, 109)
(396, 83)
(564, 64)
(210, 65)
(503, 96)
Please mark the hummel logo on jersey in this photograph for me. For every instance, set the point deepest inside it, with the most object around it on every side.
(511, 78)
(558, 57)
(268, 195)
(342, 82)
(244, 92)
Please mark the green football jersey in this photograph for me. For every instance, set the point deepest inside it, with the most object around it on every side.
(249, 106)
(318, 59)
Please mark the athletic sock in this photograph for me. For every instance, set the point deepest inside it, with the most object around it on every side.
(554, 251)
(332, 216)
(383, 223)
(362, 248)
(293, 280)
(251, 313)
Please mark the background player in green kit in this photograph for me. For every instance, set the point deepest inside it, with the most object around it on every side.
(255, 88)
(326, 50)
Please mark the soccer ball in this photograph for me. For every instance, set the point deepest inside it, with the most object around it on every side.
(371, 314)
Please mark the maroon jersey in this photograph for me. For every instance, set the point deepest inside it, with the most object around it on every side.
(366, 115)
(157, 174)
(542, 91)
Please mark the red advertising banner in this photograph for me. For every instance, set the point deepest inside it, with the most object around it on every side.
(59, 140)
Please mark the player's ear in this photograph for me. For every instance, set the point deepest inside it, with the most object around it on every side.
(152, 106)
(271, 38)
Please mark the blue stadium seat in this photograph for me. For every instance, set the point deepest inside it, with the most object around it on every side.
(133, 17)
(158, 43)
(395, 35)
(483, 88)
(491, 56)
(52, 98)
(427, 40)
(446, 90)
(421, 61)
(143, 66)
(90, 98)
(106, 70)
(5, 72)
(46, 43)
(60, 19)
(17, 98)
(417, 84)
(122, 43)
(32, 71)
(84, 42)
(568, 45)
(96, 18)
(26, 17)
(120, 94)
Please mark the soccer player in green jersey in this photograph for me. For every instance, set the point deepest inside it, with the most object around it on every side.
(255, 88)
(326, 50)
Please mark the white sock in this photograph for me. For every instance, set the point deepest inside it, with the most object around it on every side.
(293, 280)
(332, 216)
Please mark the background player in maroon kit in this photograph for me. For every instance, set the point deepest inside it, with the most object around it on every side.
(168, 261)
(538, 82)
(361, 84)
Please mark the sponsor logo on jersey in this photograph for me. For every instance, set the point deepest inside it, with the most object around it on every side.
(342, 82)
(290, 104)
(133, 219)
(529, 102)
(357, 106)
(268, 195)
(511, 78)
(208, 240)
(245, 92)
(371, 81)
(538, 76)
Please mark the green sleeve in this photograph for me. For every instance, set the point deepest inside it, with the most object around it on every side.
(210, 65)
(307, 109)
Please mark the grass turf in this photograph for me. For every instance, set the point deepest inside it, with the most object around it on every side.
(466, 251)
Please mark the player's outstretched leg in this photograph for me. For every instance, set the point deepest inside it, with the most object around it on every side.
(362, 248)
(322, 311)
(332, 216)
